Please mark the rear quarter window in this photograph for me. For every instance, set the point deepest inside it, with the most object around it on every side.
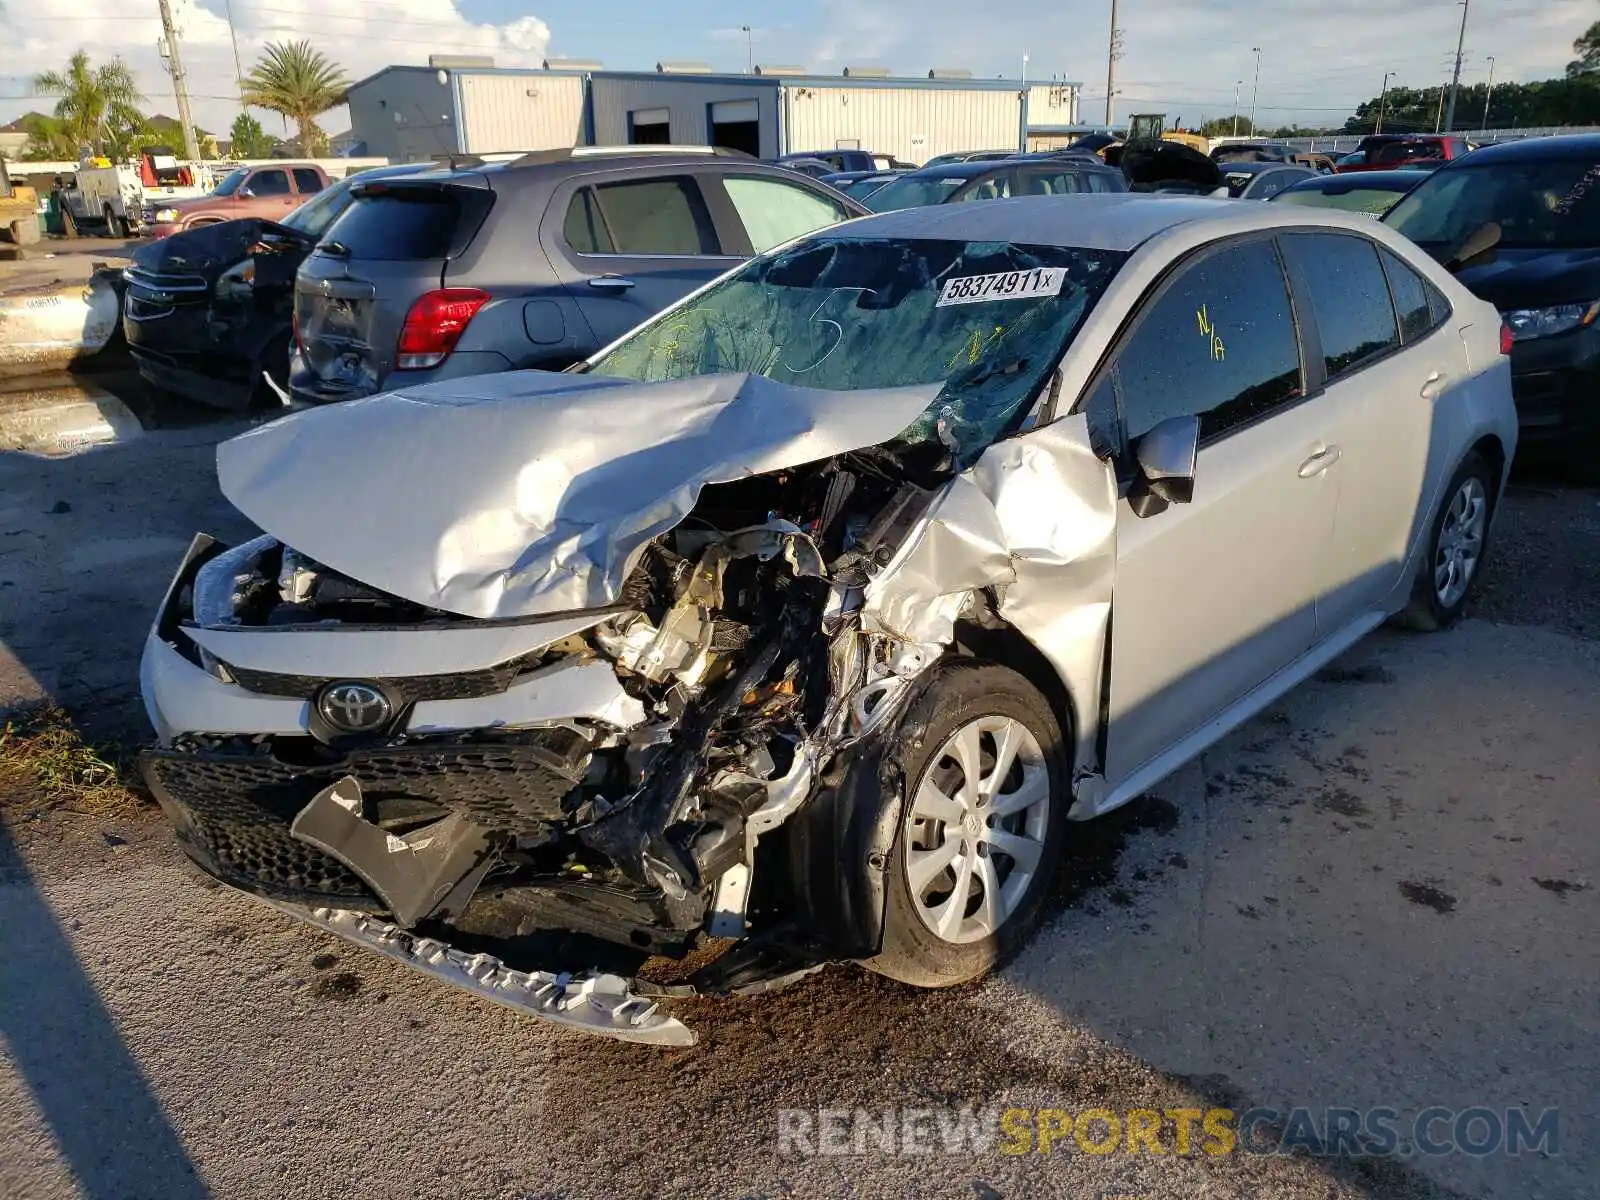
(411, 225)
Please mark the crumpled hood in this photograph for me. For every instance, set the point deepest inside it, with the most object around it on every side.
(529, 492)
(211, 249)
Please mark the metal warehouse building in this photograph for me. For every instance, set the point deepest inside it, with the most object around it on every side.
(411, 114)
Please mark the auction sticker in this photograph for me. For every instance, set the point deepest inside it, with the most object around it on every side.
(1006, 285)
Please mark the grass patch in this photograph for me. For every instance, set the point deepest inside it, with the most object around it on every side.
(45, 763)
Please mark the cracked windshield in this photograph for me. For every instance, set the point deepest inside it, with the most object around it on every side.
(989, 319)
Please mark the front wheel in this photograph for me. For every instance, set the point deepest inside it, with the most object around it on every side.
(982, 824)
(1455, 550)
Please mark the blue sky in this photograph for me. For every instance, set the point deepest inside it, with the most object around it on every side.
(1319, 57)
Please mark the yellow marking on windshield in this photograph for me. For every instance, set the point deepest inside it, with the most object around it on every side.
(975, 345)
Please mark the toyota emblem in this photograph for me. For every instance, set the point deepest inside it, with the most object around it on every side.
(354, 707)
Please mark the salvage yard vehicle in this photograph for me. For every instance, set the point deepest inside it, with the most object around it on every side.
(207, 312)
(536, 262)
(266, 191)
(957, 183)
(118, 197)
(1262, 180)
(1370, 192)
(1519, 224)
(799, 624)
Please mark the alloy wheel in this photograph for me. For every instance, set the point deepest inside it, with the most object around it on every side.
(1466, 520)
(976, 828)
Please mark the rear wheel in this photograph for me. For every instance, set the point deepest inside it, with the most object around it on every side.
(1455, 550)
(115, 226)
(982, 824)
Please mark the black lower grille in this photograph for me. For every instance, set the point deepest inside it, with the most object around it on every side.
(460, 685)
(237, 807)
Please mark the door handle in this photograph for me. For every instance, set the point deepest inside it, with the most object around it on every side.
(1434, 384)
(1319, 462)
(611, 283)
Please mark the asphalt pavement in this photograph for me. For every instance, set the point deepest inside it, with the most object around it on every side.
(1380, 895)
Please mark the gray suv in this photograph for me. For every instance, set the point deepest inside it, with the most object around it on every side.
(535, 262)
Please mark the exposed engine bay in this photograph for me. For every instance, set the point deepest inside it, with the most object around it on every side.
(686, 788)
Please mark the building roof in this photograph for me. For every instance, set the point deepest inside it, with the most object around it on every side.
(907, 82)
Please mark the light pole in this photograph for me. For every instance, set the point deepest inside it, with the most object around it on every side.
(1256, 94)
(1455, 79)
(749, 50)
(1383, 97)
(1237, 84)
(1024, 70)
(1488, 96)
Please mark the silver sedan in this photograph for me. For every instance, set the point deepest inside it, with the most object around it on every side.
(800, 623)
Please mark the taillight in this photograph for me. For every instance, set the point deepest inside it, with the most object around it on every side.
(434, 326)
(1505, 338)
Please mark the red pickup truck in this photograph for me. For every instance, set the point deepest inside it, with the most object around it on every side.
(267, 191)
(1385, 153)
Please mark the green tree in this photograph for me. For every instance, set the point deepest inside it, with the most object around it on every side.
(249, 139)
(48, 141)
(300, 84)
(98, 108)
(1224, 127)
(1587, 48)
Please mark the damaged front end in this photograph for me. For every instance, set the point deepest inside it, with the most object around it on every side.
(613, 787)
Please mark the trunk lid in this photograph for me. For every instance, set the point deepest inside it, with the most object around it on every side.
(390, 247)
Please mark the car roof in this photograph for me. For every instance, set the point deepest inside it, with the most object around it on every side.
(1252, 167)
(1533, 149)
(1381, 181)
(1120, 221)
(973, 168)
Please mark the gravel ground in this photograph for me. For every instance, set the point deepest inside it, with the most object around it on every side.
(1381, 893)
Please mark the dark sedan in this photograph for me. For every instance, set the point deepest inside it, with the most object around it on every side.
(955, 183)
(207, 312)
(1519, 224)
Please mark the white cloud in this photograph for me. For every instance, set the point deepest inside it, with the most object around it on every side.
(361, 36)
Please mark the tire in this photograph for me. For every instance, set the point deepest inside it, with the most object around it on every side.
(115, 226)
(69, 222)
(1459, 534)
(983, 702)
(25, 231)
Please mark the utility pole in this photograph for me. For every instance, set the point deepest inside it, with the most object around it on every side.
(180, 83)
(1113, 52)
(1383, 98)
(1024, 70)
(1237, 84)
(238, 69)
(1488, 96)
(1455, 79)
(1438, 120)
(749, 50)
(1256, 94)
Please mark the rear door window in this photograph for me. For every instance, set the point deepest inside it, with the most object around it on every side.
(1219, 342)
(307, 181)
(773, 211)
(425, 223)
(585, 229)
(1417, 303)
(1349, 297)
(269, 183)
(657, 216)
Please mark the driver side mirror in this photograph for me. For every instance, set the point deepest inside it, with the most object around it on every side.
(1166, 458)
(247, 192)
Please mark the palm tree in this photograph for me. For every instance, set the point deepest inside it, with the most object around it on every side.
(99, 106)
(299, 83)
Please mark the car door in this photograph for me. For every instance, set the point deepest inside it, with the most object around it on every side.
(629, 245)
(270, 191)
(1378, 399)
(754, 213)
(1215, 596)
